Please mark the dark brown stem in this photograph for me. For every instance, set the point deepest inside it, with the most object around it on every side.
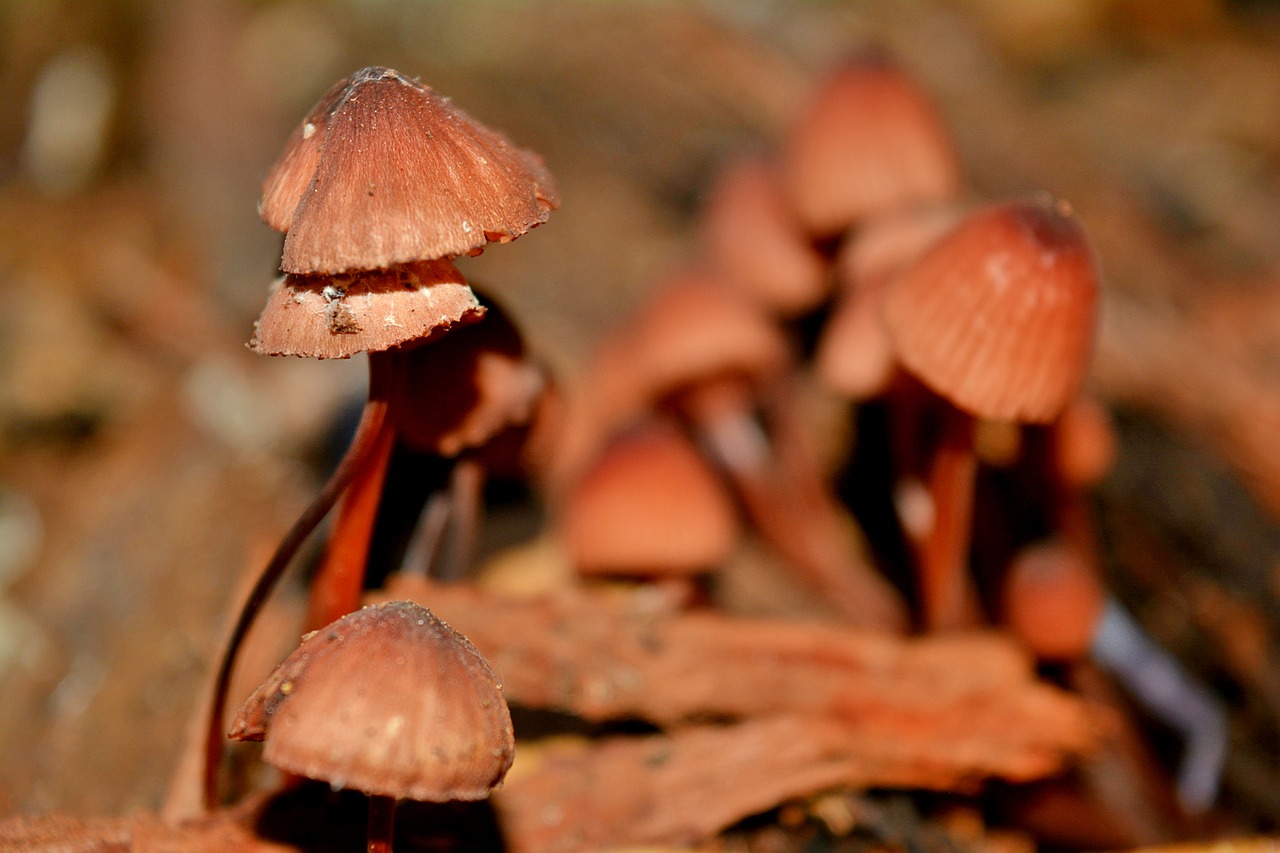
(382, 818)
(466, 489)
(946, 593)
(357, 456)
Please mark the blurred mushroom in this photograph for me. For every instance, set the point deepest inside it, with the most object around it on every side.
(869, 143)
(390, 701)
(649, 507)
(997, 319)
(753, 240)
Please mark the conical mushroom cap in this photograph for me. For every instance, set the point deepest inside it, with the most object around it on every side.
(385, 171)
(998, 316)
(388, 700)
(649, 505)
(871, 142)
(337, 316)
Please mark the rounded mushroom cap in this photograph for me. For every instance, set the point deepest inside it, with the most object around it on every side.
(649, 506)
(998, 316)
(385, 171)
(754, 240)
(388, 700)
(337, 316)
(1053, 601)
(869, 143)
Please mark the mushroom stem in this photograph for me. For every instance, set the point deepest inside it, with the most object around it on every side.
(947, 600)
(372, 423)
(466, 487)
(336, 588)
(382, 817)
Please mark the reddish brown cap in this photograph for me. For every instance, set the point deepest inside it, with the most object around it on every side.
(462, 390)
(385, 171)
(693, 329)
(337, 316)
(854, 356)
(649, 505)
(388, 700)
(886, 246)
(754, 240)
(999, 316)
(869, 143)
(1053, 601)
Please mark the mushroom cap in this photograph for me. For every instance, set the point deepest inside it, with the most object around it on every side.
(465, 388)
(649, 506)
(693, 329)
(754, 240)
(1084, 443)
(384, 171)
(854, 357)
(999, 315)
(869, 143)
(388, 700)
(337, 316)
(1053, 601)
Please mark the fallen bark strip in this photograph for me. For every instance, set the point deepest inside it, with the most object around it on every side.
(688, 785)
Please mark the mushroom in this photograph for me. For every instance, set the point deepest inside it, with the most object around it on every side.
(382, 182)
(390, 701)
(869, 143)
(752, 239)
(384, 171)
(649, 507)
(705, 354)
(997, 319)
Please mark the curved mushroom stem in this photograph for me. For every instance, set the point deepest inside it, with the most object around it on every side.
(372, 423)
(382, 818)
(336, 588)
(947, 600)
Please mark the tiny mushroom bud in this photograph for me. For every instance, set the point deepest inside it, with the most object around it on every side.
(384, 170)
(388, 700)
(1053, 601)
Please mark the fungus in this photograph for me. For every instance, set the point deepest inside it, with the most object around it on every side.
(753, 240)
(385, 171)
(649, 506)
(380, 185)
(997, 319)
(390, 701)
(869, 143)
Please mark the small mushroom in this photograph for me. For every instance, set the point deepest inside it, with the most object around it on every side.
(649, 507)
(390, 701)
(754, 241)
(997, 318)
(869, 143)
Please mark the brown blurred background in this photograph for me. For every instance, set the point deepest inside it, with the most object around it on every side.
(148, 460)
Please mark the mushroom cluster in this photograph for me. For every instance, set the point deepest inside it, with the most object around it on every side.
(382, 184)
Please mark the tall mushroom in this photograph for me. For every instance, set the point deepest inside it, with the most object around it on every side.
(380, 185)
(997, 319)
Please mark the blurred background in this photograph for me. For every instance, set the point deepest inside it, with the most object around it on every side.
(149, 461)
